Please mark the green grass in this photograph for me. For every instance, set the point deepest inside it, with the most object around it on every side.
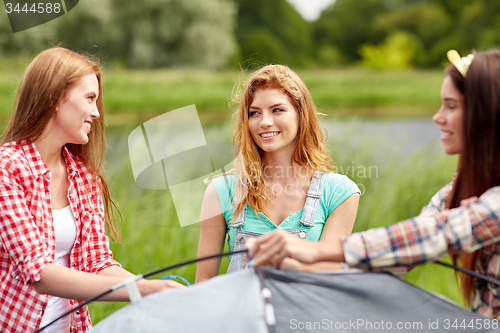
(133, 96)
(364, 92)
(398, 189)
(403, 188)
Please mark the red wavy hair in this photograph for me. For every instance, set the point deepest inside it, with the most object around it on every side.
(311, 151)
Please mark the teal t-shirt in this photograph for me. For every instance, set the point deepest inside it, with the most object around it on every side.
(336, 188)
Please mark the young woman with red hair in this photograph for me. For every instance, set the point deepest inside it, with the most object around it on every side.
(283, 177)
(54, 199)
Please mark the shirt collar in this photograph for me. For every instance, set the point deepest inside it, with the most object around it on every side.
(36, 163)
(71, 164)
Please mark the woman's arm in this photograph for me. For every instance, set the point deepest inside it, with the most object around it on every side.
(68, 283)
(212, 235)
(20, 235)
(277, 245)
(341, 220)
(115, 271)
(471, 226)
(295, 265)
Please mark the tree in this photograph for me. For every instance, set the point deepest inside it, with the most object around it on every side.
(89, 30)
(347, 24)
(435, 26)
(156, 33)
(478, 25)
(273, 32)
(24, 42)
(397, 51)
(428, 23)
(149, 33)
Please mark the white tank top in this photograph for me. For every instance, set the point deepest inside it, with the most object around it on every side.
(65, 232)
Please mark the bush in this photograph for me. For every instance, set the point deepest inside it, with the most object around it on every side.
(396, 52)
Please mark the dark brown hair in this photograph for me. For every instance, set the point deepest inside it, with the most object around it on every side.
(479, 164)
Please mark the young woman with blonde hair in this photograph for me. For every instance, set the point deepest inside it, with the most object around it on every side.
(463, 218)
(283, 177)
(54, 199)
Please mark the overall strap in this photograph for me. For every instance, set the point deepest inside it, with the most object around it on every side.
(313, 195)
(241, 219)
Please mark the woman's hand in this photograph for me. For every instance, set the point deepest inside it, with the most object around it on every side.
(291, 264)
(147, 287)
(270, 249)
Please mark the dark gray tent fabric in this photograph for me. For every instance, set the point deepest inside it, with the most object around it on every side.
(363, 302)
(303, 302)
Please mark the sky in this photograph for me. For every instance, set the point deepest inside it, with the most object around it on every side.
(310, 9)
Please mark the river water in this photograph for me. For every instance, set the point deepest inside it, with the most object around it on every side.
(401, 136)
(379, 138)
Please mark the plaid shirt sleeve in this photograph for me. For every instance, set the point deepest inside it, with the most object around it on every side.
(20, 236)
(427, 237)
(438, 201)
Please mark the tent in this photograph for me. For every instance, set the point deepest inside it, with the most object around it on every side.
(350, 301)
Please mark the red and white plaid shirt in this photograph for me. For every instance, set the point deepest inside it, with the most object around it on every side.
(27, 233)
(474, 225)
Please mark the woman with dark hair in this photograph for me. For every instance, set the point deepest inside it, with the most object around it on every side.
(463, 218)
(54, 199)
(283, 178)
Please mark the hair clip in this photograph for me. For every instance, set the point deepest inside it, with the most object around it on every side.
(460, 63)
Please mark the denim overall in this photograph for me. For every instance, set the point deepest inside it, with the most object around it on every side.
(306, 221)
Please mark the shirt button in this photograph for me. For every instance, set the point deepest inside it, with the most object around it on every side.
(302, 235)
(73, 264)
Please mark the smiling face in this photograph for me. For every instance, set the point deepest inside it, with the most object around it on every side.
(273, 122)
(75, 113)
(450, 117)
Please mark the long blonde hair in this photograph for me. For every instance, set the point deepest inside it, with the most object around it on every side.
(45, 83)
(311, 150)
